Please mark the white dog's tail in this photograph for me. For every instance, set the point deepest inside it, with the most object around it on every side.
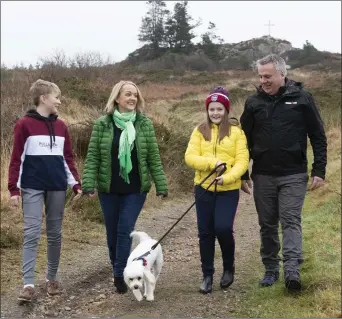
(140, 235)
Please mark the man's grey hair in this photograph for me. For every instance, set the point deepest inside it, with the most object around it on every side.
(278, 62)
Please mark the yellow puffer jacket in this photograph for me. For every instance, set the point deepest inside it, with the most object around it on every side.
(203, 155)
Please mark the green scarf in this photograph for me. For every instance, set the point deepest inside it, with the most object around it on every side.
(124, 121)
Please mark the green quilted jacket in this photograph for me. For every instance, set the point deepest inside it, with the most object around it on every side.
(97, 172)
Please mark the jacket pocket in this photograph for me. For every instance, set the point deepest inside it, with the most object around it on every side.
(291, 155)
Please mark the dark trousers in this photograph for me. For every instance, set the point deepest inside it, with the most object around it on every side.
(215, 219)
(120, 215)
(280, 199)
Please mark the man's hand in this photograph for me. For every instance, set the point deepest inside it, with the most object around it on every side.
(316, 182)
(246, 186)
(14, 201)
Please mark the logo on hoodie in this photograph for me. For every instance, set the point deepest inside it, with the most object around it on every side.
(43, 144)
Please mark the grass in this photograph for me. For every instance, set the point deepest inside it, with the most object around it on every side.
(320, 273)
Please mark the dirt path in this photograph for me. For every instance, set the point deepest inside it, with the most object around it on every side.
(87, 278)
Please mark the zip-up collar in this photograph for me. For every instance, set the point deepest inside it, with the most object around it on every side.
(290, 87)
(48, 122)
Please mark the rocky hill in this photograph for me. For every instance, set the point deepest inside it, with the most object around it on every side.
(245, 53)
(256, 48)
(240, 55)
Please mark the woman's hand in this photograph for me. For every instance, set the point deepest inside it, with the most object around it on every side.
(90, 194)
(162, 195)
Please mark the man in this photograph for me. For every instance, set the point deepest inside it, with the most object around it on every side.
(277, 120)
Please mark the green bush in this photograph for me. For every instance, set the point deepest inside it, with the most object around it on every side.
(172, 146)
(81, 90)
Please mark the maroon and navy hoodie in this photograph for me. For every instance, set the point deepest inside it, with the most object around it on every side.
(42, 156)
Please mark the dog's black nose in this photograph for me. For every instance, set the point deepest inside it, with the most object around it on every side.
(136, 287)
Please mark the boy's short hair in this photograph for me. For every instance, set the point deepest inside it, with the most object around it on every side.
(41, 87)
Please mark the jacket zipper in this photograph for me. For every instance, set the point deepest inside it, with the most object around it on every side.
(215, 144)
(110, 155)
(137, 128)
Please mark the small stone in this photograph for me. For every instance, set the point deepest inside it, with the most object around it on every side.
(67, 309)
(72, 297)
(47, 313)
(102, 296)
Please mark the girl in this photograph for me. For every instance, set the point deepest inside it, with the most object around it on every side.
(218, 140)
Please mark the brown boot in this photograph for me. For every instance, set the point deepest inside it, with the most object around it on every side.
(52, 287)
(26, 294)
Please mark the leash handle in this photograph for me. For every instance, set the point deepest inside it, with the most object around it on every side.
(180, 218)
(214, 171)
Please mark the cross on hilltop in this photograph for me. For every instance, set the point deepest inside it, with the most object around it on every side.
(269, 25)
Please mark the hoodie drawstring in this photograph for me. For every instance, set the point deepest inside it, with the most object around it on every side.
(49, 126)
(48, 122)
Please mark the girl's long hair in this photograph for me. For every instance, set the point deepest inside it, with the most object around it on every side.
(224, 127)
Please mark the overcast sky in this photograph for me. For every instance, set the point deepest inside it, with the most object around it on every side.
(33, 29)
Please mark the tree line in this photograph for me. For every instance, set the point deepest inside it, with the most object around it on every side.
(163, 30)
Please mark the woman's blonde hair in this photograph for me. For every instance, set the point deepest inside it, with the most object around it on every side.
(112, 105)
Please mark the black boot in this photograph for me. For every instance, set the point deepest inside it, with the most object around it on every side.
(227, 279)
(120, 285)
(207, 285)
(292, 282)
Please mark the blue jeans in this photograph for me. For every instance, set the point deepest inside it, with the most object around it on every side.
(120, 215)
(215, 219)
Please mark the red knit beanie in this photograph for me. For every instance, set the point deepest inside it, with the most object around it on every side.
(219, 94)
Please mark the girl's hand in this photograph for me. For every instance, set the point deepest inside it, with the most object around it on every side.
(219, 180)
(221, 168)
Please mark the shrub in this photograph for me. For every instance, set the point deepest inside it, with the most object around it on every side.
(9, 238)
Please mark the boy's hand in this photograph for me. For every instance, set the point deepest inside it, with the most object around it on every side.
(78, 195)
(14, 201)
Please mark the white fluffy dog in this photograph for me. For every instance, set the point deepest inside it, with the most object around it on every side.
(143, 271)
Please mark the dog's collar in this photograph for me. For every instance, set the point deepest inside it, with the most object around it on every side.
(143, 260)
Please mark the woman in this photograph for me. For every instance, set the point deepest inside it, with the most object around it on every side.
(218, 140)
(122, 154)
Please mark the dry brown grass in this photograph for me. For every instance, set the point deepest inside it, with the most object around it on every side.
(73, 112)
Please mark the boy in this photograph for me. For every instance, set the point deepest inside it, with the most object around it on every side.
(41, 167)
